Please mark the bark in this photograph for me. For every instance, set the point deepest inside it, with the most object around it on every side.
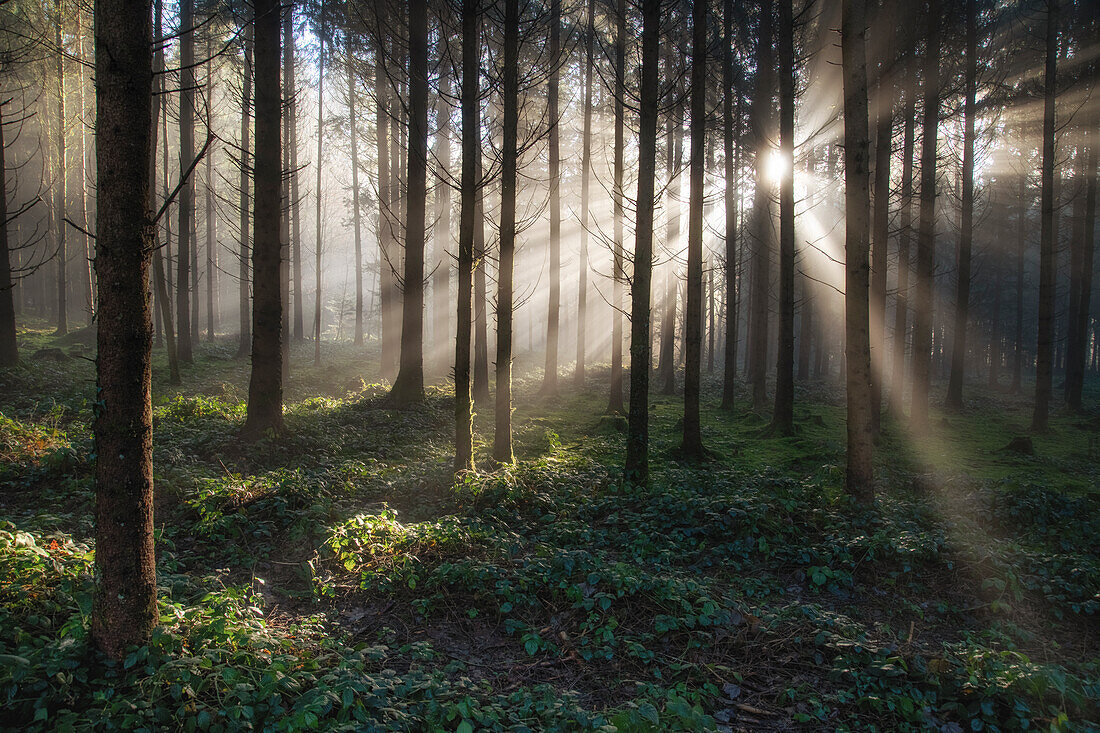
(408, 388)
(357, 215)
(859, 478)
(294, 251)
(186, 212)
(966, 233)
(386, 280)
(550, 374)
(615, 401)
(59, 186)
(729, 366)
(905, 237)
(246, 167)
(666, 366)
(783, 417)
(692, 447)
(926, 235)
(124, 609)
(762, 213)
(586, 166)
(441, 267)
(211, 211)
(481, 305)
(884, 126)
(471, 138)
(502, 437)
(637, 440)
(318, 295)
(265, 388)
(1081, 271)
(9, 347)
(1043, 370)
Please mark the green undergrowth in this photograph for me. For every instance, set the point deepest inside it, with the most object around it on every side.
(339, 578)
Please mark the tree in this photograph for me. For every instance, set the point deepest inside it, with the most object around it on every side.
(246, 167)
(586, 167)
(966, 233)
(729, 367)
(186, 237)
(9, 347)
(265, 387)
(905, 235)
(550, 375)
(859, 478)
(409, 385)
(926, 232)
(124, 609)
(615, 401)
(59, 187)
(1043, 366)
(692, 446)
(760, 237)
(318, 301)
(357, 216)
(637, 437)
(502, 437)
(441, 266)
(471, 137)
(783, 416)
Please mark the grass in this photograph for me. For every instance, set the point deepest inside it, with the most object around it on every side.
(340, 579)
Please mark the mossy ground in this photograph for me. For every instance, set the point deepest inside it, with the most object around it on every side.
(339, 578)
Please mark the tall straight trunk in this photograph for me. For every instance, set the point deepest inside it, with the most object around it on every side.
(386, 284)
(926, 235)
(502, 437)
(729, 365)
(60, 185)
(762, 212)
(637, 439)
(86, 262)
(1077, 351)
(289, 191)
(966, 233)
(318, 298)
(160, 286)
(783, 417)
(246, 167)
(481, 299)
(9, 346)
(441, 266)
(211, 211)
(409, 385)
(265, 387)
(859, 479)
(471, 138)
(692, 446)
(185, 241)
(905, 237)
(294, 252)
(586, 166)
(615, 401)
(357, 216)
(1021, 254)
(884, 132)
(666, 365)
(550, 378)
(1043, 370)
(124, 609)
(710, 315)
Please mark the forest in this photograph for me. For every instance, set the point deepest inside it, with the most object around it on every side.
(549, 365)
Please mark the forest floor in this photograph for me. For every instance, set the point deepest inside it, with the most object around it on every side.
(338, 578)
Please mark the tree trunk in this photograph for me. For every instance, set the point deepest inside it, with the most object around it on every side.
(441, 267)
(502, 438)
(246, 167)
(211, 210)
(692, 447)
(481, 304)
(905, 236)
(124, 609)
(9, 347)
(966, 233)
(729, 365)
(859, 479)
(637, 439)
(59, 186)
(386, 278)
(357, 217)
(265, 388)
(926, 235)
(1081, 272)
(615, 402)
(185, 241)
(783, 417)
(550, 373)
(762, 212)
(409, 385)
(318, 295)
(1043, 375)
(471, 138)
(884, 131)
(586, 166)
(666, 365)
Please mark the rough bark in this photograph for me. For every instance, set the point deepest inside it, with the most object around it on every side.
(859, 478)
(637, 440)
(783, 416)
(246, 168)
(615, 400)
(265, 388)
(761, 122)
(124, 609)
(905, 237)
(9, 347)
(1044, 344)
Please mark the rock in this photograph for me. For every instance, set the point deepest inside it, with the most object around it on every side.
(616, 423)
(1022, 445)
(51, 354)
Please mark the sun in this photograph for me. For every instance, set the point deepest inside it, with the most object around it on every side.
(777, 167)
